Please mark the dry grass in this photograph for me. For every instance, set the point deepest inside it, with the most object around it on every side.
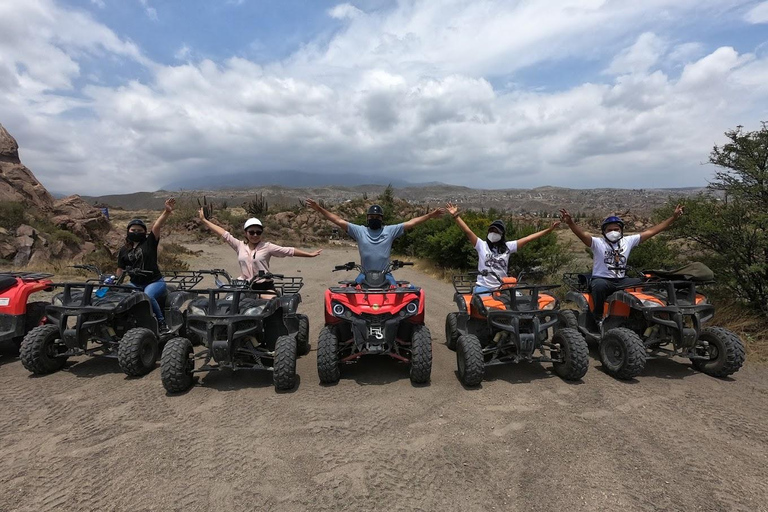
(751, 327)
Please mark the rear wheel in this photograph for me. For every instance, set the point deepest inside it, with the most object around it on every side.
(285, 363)
(421, 355)
(328, 363)
(39, 352)
(573, 352)
(302, 337)
(137, 352)
(622, 353)
(469, 360)
(177, 364)
(726, 352)
(452, 330)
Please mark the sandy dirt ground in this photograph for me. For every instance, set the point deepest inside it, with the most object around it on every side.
(88, 438)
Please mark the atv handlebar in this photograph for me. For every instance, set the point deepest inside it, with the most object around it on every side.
(393, 265)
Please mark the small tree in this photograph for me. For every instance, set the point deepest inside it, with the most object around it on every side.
(731, 226)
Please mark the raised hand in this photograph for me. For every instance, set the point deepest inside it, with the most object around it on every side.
(170, 204)
(555, 224)
(565, 216)
(313, 204)
(678, 211)
(452, 208)
(437, 212)
(201, 213)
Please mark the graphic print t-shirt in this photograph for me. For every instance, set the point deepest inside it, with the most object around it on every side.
(143, 257)
(605, 255)
(492, 261)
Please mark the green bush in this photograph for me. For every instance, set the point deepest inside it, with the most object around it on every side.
(11, 214)
(653, 254)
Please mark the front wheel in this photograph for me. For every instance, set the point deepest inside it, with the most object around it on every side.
(177, 364)
(421, 355)
(726, 352)
(328, 362)
(622, 353)
(39, 352)
(302, 337)
(574, 354)
(469, 360)
(452, 330)
(137, 352)
(285, 363)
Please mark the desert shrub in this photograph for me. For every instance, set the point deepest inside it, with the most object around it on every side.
(11, 214)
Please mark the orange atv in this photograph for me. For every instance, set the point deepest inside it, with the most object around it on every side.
(663, 316)
(509, 325)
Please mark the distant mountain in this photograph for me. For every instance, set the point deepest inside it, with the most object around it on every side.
(298, 179)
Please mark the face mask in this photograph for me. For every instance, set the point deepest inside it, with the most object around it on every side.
(374, 223)
(137, 237)
(494, 237)
(613, 236)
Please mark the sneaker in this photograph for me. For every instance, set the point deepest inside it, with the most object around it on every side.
(163, 328)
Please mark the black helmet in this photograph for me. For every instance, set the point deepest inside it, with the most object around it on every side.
(136, 222)
(499, 224)
(612, 220)
(375, 210)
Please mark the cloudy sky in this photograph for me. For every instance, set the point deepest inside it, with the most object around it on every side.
(110, 96)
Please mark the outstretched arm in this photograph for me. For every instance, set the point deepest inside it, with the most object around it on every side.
(539, 234)
(661, 226)
(328, 215)
(303, 254)
(210, 225)
(424, 218)
(170, 204)
(454, 211)
(585, 237)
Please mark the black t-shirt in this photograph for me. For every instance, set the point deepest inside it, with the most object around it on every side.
(143, 257)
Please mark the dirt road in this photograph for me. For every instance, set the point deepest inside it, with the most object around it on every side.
(88, 438)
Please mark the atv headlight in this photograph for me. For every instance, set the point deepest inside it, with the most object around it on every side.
(650, 303)
(412, 308)
(337, 309)
(254, 311)
(196, 311)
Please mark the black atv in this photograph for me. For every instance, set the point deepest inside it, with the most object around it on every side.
(509, 325)
(242, 328)
(97, 318)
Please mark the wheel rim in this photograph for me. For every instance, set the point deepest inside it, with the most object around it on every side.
(613, 352)
(147, 353)
(50, 349)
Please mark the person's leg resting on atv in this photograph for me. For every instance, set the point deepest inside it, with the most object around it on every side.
(154, 291)
(602, 287)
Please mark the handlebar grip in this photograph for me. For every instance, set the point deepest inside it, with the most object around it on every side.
(407, 263)
(340, 267)
(279, 276)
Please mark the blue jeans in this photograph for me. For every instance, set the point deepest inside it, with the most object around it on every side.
(481, 289)
(390, 279)
(153, 291)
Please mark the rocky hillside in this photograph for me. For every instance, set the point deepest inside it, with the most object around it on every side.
(35, 228)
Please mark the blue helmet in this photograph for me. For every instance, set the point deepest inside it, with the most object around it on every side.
(612, 220)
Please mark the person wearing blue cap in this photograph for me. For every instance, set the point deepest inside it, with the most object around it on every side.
(610, 253)
(493, 253)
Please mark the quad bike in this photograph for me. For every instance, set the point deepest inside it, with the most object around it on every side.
(17, 315)
(241, 329)
(97, 318)
(663, 316)
(509, 325)
(374, 317)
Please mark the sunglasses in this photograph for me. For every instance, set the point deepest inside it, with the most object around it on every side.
(254, 232)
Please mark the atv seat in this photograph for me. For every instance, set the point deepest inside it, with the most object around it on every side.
(7, 282)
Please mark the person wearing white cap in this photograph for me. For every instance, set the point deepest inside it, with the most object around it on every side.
(254, 254)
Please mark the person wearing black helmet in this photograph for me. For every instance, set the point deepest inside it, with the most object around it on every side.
(610, 253)
(493, 253)
(140, 252)
(374, 241)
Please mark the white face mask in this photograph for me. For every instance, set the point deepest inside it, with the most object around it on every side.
(494, 237)
(613, 236)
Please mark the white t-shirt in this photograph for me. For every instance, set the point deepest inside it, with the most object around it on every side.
(605, 254)
(492, 261)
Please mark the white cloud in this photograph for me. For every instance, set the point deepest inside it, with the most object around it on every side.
(758, 14)
(98, 3)
(344, 11)
(149, 10)
(405, 92)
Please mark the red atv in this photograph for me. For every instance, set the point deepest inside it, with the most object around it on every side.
(374, 317)
(17, 316)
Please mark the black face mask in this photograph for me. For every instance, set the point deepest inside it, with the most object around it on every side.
(374, 223)
(137, 237)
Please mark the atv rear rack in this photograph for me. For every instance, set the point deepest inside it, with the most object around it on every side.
(28, 276)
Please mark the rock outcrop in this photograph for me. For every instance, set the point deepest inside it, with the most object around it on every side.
(17, 183)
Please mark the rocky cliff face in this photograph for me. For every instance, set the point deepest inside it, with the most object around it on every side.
(25, 244)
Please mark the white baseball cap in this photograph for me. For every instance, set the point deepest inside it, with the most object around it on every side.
(253, 221)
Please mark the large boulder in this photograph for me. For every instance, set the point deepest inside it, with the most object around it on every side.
(74, 214)
(17, 183)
